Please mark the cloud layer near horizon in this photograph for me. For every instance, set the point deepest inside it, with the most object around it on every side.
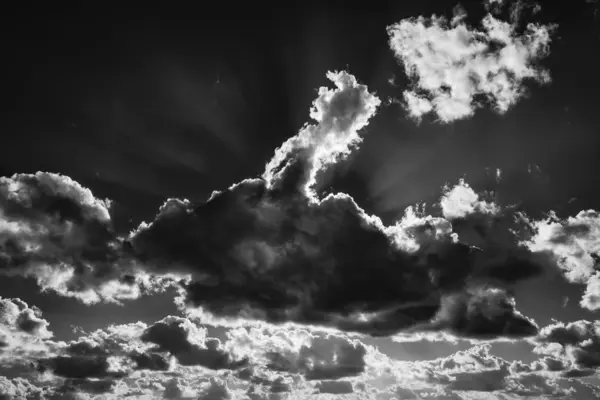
(176, 358)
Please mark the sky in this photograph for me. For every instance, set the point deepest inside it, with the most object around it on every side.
(318, 200)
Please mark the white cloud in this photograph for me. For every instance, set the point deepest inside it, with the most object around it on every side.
(340, 114)
(462, 200)
(591, 297)
(451, 65)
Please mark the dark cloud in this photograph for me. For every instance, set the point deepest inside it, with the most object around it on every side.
(484, 313)
(279, 385)
(175, 335)
(81, 367)
(16, 315)
(93, 387)
(151, 361)
(276, 256)
(334, 387)
(480, 381)
(271, 249)
(578, 341)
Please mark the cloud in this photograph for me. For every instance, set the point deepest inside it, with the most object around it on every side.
(289, 362)
(314, 356)
(55, 230)
(188, 344)
(454, 67)
(341, 114)
(24, 337)
(574, 243)
(19, 388)
(217, 390)
(483, 313)
(334, 387)
(577, 344)
(461, 201)
(281, 257)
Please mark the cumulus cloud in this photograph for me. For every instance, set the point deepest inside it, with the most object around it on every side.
(282, 258)
(55, 230)
(18, 317)
(576, 345)
(271, 249)
(454, 67)
(181, 338)
(334, 387)
(23, 334)
(311, 355)
(574, 243)
(483, 312)
(341, 113)
(461, 200)
(20, 388)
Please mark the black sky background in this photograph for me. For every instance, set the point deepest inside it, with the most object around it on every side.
(141, 104)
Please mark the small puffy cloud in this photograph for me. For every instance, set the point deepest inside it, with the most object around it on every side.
(461, 200)
(453, 66)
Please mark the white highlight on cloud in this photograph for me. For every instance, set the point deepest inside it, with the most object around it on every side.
(452, 65)
(415, 230)
(340, 114)
(462, 200)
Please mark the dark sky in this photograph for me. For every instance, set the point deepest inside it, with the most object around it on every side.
(142, 104)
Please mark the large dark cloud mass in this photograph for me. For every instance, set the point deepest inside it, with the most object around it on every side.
(272, 249)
